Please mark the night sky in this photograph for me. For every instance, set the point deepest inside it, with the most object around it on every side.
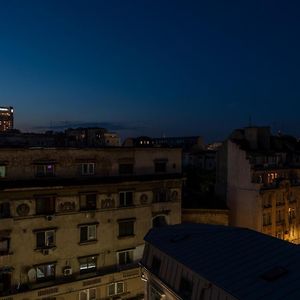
(150, 67)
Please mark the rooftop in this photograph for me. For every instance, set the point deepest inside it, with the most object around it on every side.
(245, 263)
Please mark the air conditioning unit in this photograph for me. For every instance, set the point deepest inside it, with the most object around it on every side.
(67, 271)
(45, 251)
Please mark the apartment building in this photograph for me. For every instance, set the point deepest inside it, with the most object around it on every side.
(205, 262)
(259, 176)
(72, 221)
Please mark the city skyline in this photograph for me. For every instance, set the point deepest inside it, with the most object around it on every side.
(151, 68)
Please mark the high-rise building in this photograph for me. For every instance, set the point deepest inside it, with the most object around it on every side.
(6, 118)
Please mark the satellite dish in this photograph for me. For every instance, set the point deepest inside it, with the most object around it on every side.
(32, 275)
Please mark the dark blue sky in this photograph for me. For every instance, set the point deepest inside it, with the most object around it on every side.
(152, 67)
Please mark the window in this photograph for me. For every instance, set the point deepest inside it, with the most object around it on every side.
(185, 289)
(125, 257)
(2, 171)
(159, 221)
(126, 198)
(115, 288)
(279, 216)
(161, 196)
(87, 264)
(45, 170)
(156, 262)
(126, 227)
(88, 294)
(87, 169)
(5, 210)
(267, 219)
(88, 201)
(125, 169)
(4, 246)
(45, 205)
(5, 282)
(45, 239)
(292, 214)
(88, 233)
(160, 166)
(45, 272)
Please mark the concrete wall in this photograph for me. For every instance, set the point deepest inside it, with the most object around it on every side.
(206, 216)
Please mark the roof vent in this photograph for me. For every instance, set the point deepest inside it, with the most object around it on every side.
(274, 273)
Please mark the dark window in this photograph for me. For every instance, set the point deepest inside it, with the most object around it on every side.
(156, 262)
(159, 221)
(45, 205)
(125, 257)
(125, 169)
(126, 199)
(88, 201)
(5, 282)
(4, 210)
(87, 169)
(88, 233)
(4, 246)
(185, 289)
(126, 228)
(45, 239)
(160, 167)
(161, 196)
(45, 272)
(46, 170)
(87, 264)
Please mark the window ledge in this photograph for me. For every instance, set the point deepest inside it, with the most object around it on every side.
(88, 242)
(122, 237)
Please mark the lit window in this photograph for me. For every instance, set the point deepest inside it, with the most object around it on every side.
(87, 264)
(87, 169)
(88, 233)
(115, 288)
(45, 272)
(45, 239)
(125, 257)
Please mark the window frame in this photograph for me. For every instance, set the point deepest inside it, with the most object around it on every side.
(122, 232)
(88, 171)
(115, 287)
(125, 200)
(129, 257)
(88, 228)
(49, 208)
(43, 172)
(48, 277)
(88, 269)
(46, 244)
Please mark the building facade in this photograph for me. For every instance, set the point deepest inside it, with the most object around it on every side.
(258, 175)
(72, 221)
(6, 118)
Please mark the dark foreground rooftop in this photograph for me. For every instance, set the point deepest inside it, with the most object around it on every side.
(245, 263)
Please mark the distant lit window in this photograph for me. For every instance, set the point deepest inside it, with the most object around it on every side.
(2, 171)
(46, 170)
(87, 264)
(45, 272)
(88, 169)
(126, 198)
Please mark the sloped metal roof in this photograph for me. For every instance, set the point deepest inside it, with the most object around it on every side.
(234, 259)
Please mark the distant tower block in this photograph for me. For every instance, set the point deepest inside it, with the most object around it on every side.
(6, 118)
